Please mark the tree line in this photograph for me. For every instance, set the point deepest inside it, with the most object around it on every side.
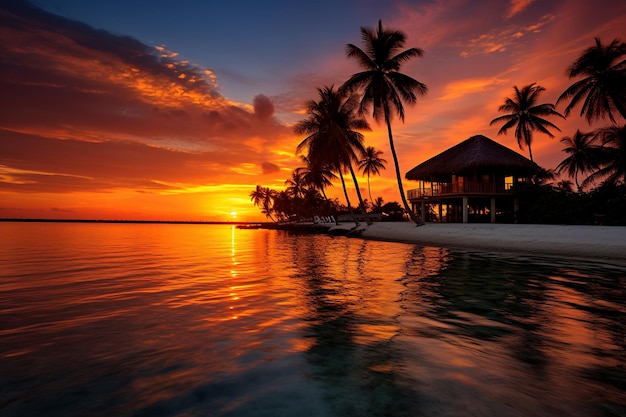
(334, 143)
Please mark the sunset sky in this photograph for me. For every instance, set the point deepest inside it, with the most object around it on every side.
(176, 110)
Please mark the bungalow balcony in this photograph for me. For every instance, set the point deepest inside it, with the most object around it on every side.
(472, 181)
(460, 189)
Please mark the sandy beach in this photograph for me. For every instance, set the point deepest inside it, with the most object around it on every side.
(598, 243)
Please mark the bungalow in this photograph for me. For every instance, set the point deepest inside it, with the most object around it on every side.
(472, 181)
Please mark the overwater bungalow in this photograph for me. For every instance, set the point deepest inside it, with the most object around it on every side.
(474, 181)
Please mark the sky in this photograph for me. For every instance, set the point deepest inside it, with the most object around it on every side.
(162, 110)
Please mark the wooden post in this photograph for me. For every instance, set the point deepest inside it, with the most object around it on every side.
(493, 210)
(465, 213)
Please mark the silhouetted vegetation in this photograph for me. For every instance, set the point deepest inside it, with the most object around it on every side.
(546, 204)
(381, 85)
(526, 115)
(596, 159)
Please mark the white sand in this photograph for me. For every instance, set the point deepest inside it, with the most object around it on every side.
(600, 243)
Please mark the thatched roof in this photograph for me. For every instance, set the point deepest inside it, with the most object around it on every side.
(476, 153)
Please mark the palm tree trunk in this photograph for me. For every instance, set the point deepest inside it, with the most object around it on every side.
(369, 189)
(416, 220)
(345, 192)
(358, 194)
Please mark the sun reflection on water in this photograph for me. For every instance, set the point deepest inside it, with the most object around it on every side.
(204, 320)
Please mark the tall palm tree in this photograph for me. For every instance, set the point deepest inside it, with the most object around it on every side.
(583, 154)
(613, 159)
(526, 115)
(383, 86)
(333, 139)
(602, 91)
(371, 163)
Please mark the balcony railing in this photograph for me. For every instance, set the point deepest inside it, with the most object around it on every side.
(450, 189)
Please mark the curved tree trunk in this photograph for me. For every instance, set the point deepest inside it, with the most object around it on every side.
(413, 216)
(345, 192)
(358, 194)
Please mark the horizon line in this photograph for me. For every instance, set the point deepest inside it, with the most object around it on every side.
(37, 220)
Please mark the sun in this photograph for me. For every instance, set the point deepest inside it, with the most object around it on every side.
(233, 214)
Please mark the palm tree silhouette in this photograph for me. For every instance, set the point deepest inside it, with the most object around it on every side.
(613, 157)
(583, 156)
(526, 115)
(603, 89)
(371, 164)
(333, 139)
(257, 195)
(295, 185)
(263, 197)
(317, 177)
(382, 85)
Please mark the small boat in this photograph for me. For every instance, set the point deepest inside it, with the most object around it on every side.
(248, 226)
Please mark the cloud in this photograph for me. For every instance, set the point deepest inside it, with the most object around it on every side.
(517, 6)
(263, 107)
(87, 110)
(269, 168)
(458, 89)
(500, 40)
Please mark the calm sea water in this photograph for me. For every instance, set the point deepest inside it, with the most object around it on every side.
(205, 320)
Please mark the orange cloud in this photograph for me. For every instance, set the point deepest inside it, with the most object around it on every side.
(85, 111)
(499, 40)
(517, 6)
(458, 89)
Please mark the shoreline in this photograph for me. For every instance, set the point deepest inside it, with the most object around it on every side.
(605, 244)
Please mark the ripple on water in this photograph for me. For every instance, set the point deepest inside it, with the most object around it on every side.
(177, 320)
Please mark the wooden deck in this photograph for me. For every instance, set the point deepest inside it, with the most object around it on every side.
(460, 189)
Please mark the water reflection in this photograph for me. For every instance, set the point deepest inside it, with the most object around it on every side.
(134, 320)
(407, 329)
(528, 327)
(350, 317)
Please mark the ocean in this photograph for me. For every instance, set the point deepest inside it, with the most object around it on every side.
(100, 319)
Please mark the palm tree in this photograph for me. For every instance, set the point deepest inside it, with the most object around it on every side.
(295, 184)
(583, 155)
(526, 115)
(602, 91)
(371, 164)
(377, 205)
(613, 158)
(565, 185)
(333, 139)
(317, 177)
(383, 86)
(263, 197)
(543, 176)
(257, 195)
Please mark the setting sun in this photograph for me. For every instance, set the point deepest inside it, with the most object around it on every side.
(149, 133)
